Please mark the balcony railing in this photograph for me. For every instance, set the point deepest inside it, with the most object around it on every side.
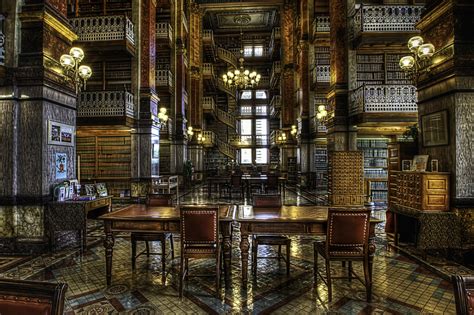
(2, 40)
(209, 138)
(103, 28)
(185, 97)
(223, 87)
(249, 140)
(226, 118)
(164, 78)
(208, 69)
(276, 35)
(184, 20)
(276, 70)
(208, 37)
(383, 98)
(164, 31)
(386, 18)
(264, 82)
(105, 104)
(321, 24)
(275, 105)
(227, 56)
(208, 104)
(321, 74)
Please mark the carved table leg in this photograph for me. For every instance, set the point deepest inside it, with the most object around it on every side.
(227, 243)
(244, 250)
(109, 249)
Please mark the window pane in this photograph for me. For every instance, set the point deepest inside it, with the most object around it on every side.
(246, 127)
(261, 126)
(246, 110)
(258, 51)
(260, 94)
(246, 95)
(261, 110)
(261, 156)
(248, 51)
(245, 156)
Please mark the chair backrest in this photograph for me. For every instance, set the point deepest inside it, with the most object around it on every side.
(31, 297)
(267, 200)
(199, 224)
(348, 228)
(463, 294)
(157, 200)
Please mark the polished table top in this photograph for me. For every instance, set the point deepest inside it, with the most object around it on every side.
(142, 212)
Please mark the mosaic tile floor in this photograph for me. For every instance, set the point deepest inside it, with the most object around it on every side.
(401, 285)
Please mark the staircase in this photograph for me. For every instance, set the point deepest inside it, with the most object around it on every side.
(227, 56)
(226, 149)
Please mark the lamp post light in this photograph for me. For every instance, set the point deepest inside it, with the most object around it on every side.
(73, 71)
(420, 58)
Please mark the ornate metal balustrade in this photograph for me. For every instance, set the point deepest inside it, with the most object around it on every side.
(321, 24)
(164, 78)
(386, 18)
(164, 31)
(2, 41)
(276, 71)
(105, 104)
(321, 74)
(208, 104)
(275, 105)
(226, 118)
(103, 28)
(230, 91)
(227, 56)
(208, 70)
(208, 37)
(383, 98)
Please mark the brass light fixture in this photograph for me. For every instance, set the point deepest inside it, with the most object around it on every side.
(419, 60)
(241, 78)
(162, 116)
(73, 71)
(322, 113)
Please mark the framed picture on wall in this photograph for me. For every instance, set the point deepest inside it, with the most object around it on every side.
(406, 165)
(434, 129)
(61, 134)
(419, 163)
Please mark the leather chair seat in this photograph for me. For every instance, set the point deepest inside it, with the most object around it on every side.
(19, 306)
(350, 252)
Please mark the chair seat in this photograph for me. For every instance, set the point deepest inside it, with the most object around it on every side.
(197, 249)
(340, 251)
(272, 239)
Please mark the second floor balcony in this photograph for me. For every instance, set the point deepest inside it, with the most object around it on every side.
(164, 34)
(250, 140)
(374, 99)
(110, 29)
(321, 24)
(386, 19)
(104, 104)
(275, 74)
(321, 74)
(164, 80)
(275, 105)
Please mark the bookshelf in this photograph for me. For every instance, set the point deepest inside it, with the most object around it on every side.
(321, 167)
(375, 168)
(380, 69)
(292, 170)
(106, 159)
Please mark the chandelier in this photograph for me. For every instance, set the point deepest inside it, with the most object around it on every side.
(73, 71)
(420, 59)
(241, 78)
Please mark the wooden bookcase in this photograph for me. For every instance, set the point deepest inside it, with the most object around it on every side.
(380, 69)
(321, 167)
(375, 168)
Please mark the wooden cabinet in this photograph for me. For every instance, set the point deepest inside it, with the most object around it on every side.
(422, 191)
(346, 178)
(397, 152)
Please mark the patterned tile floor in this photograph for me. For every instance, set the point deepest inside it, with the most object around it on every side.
(401, 285)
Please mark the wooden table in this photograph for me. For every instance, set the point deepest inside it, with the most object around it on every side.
(72, 215)
(295, 220)
(216, 181)
(139, 218)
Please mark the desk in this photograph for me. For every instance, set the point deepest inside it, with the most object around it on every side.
(72, 215)
(139, 218)
(296, 220)
(216, 181)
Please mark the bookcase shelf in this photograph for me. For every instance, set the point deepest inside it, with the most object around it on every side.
(375, 168)
(380, 69)
(321, 167)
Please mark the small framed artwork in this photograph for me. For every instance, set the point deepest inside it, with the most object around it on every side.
(434, 129)
(60, 134)
(60, 165)
(434, 165)
(90, 189)
(406, 165)
(101, 189)
(419, 163)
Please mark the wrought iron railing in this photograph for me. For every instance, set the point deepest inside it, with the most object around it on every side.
(227, 56)
(276, 70)
(275, 104)
(387, 18)
(105, 104)
(371, 98)
(321, 74)
(321, 24)
(2, 40)
(103, 28)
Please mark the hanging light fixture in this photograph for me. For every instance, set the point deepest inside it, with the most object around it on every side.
(241, 78)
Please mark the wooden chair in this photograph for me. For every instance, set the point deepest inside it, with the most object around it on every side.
(463, 294)
(199, 239)
(31, 297)
(347, 239)
(154, 200)
(265, 202)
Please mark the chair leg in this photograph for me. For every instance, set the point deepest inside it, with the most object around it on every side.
(147, 249)
(315, 265)
(172, 247)
(350, 271)
(368, 281)
(134, 252)
(163, 261)
(288, 258)
(181, 276)
(218, 273)
(328, 276)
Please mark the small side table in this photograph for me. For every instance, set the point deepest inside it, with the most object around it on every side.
(72, 215)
